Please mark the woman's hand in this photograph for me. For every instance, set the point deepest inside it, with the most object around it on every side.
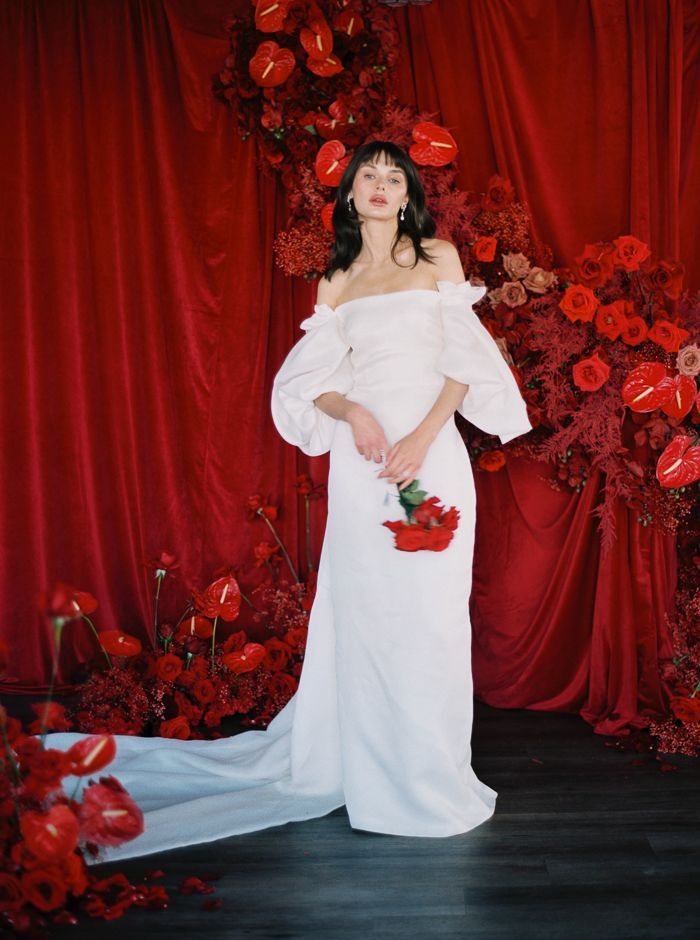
(370, 439)
(406, 457)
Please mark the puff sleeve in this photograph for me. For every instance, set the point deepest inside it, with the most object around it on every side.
(319, 362)
(470, 355)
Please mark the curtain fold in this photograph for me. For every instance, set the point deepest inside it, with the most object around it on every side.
(144, 318)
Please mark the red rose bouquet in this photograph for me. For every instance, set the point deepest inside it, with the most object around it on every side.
(428, 525)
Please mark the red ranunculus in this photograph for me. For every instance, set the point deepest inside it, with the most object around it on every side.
(579, 303)
(591, 374)
(50, 836)
(108, 815)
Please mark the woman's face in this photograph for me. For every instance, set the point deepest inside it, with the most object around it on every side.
(379, 190)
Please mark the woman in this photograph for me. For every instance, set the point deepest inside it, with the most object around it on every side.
(381, 721)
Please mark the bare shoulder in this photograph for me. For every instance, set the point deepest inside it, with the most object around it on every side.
(447, 263)
(328, 291)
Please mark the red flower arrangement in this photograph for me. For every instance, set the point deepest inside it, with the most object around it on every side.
(428, 525)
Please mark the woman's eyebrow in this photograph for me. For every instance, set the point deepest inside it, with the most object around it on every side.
(395, 169)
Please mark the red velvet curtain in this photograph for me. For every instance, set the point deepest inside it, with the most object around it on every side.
(143, 316)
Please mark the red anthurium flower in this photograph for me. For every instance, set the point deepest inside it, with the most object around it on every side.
(246, 659)
(682, 397)
(679, 464)
(329, 65)
(591, 374)
(331, 125)
(270, 15)
(327, 216)
(434, 145)
(647, 387)
(331, 162)
(195, 626)
(348, 22)
(221, 599)
(63, 600)
(317, 39)
(92, 754)
(120, 644)
(108, 815)
(271, 65)
(50, 836)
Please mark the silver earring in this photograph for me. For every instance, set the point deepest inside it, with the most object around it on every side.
(402, 208)
(350, 206)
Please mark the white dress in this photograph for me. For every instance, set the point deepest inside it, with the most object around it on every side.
(381, 721)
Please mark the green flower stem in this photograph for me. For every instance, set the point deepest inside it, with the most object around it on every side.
(695, 690)
(97, 637)
(279, 542)
(159, 578)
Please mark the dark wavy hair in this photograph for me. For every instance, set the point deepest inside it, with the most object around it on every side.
(417, 222)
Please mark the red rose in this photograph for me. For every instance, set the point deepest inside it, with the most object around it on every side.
(595, 266)
(686, 708)
(629, 252)
(499, 194)
(427, 510)
(667, 276)
(491, 460)
(611, 319)
(635, 332)
(450, 518)
(438, 538)
(178, 727)
(667, 335)
(11, 895)
(485, 248)
(168, 667)
(590, 374)
(410, 538)
(579, 303)
(204, 691)
(278, 654)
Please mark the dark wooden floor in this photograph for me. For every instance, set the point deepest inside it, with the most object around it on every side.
(584, 844)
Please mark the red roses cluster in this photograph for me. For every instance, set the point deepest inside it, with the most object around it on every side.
(429, 526)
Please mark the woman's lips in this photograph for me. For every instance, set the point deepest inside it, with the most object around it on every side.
(378, 201)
